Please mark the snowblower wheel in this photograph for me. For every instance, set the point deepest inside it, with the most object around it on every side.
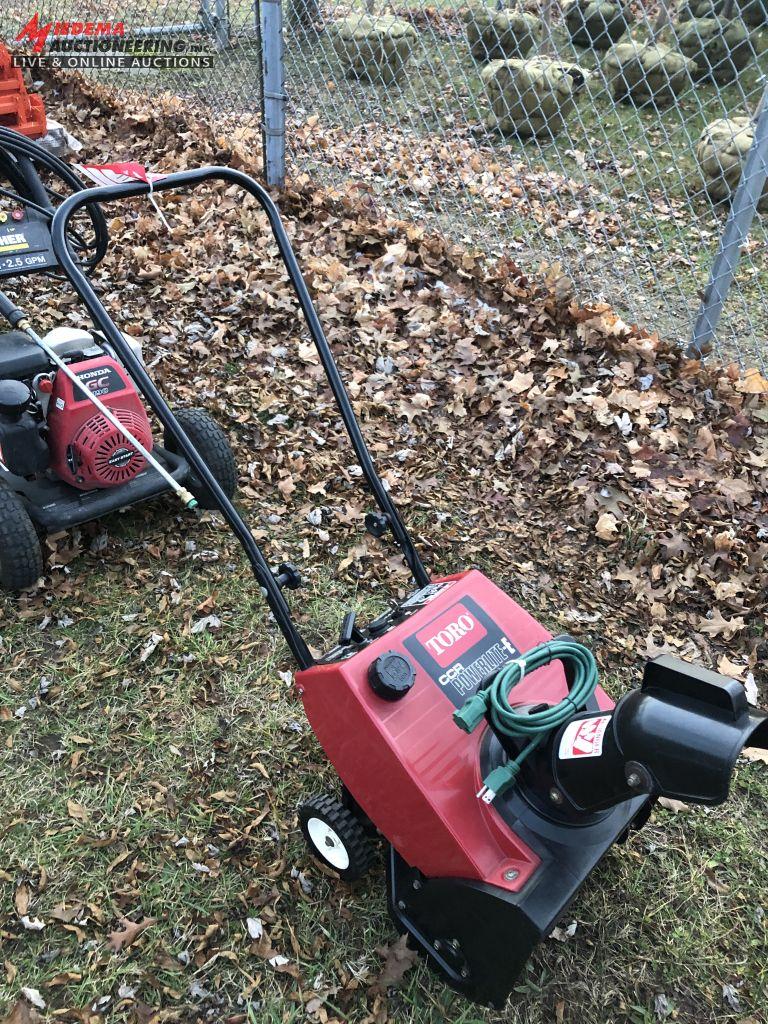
(21, 557)
(212, 444)
(336, 837)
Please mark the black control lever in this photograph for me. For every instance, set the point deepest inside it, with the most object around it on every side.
(377, 523)
(349, 631)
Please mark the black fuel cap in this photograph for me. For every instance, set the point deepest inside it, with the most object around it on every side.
(14, 397)
(391, 676)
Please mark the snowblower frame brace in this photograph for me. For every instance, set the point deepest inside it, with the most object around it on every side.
(388, 517)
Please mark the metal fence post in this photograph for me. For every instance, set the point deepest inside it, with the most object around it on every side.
(214, 18)
(221, 14)
(742, 213)
(273, 98)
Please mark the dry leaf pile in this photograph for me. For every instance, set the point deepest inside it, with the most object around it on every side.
(613, 482)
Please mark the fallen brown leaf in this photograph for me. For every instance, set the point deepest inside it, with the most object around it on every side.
(128, 933)
(22, 899)
(77, 811)
(717, 625)
(676, 806)
(606, 526)
(399, 960)
(752, 383)
(61, 912)
(22, 1013)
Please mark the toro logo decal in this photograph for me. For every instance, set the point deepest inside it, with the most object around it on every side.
(461, 647)
(583, 738)
(451, 635)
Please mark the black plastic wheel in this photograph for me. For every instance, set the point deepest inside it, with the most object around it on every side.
(213, 446)
(21, 557)
(335, 836)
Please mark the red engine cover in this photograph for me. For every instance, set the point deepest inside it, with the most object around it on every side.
(86, 450)
(406, 763)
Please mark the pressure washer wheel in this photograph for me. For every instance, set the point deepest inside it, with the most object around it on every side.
(212, 444)
(21, 557)
(336, 837)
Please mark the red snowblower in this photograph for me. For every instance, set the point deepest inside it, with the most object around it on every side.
(479, 748)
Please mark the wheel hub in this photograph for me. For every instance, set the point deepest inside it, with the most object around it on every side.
(328, 843)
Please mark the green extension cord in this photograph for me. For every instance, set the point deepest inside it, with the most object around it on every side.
(492, 702)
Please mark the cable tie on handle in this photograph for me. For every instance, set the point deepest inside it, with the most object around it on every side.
(152, 200)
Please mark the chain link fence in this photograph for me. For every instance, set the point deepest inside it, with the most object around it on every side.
(605, 138)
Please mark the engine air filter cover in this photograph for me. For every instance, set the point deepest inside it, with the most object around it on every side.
(106, 456)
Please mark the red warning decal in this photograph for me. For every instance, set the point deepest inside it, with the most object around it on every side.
(451, 635)
(583, 738)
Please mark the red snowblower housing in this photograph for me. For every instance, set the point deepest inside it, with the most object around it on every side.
(86, 450)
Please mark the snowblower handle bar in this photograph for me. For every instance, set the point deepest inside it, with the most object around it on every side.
(102, 320)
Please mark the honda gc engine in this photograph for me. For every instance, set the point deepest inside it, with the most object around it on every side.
(75, 438)
(47, 423)
(86, 450)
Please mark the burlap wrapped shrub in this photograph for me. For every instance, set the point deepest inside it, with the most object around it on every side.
(719, 49)
(647, 73)
(533, 96)
(751, 12)
(373, 48)
(596, 23)
(500, 35)
(721, 151)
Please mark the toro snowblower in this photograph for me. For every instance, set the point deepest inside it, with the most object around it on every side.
(479, 748)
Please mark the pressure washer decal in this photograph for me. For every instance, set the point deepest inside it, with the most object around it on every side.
(583, 738)
(460, 648)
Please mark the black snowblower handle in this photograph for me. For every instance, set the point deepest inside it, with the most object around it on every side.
(102, 319)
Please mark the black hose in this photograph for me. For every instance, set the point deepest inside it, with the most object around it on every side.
(20, 159)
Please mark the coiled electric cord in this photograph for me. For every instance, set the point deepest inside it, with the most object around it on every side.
(492, 703)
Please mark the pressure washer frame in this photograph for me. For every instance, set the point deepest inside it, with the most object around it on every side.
(388, 517)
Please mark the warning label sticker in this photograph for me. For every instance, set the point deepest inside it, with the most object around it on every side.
(460, 649)
(583, 738)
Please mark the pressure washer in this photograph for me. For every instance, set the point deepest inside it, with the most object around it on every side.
(75, 439)
(480, 748)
